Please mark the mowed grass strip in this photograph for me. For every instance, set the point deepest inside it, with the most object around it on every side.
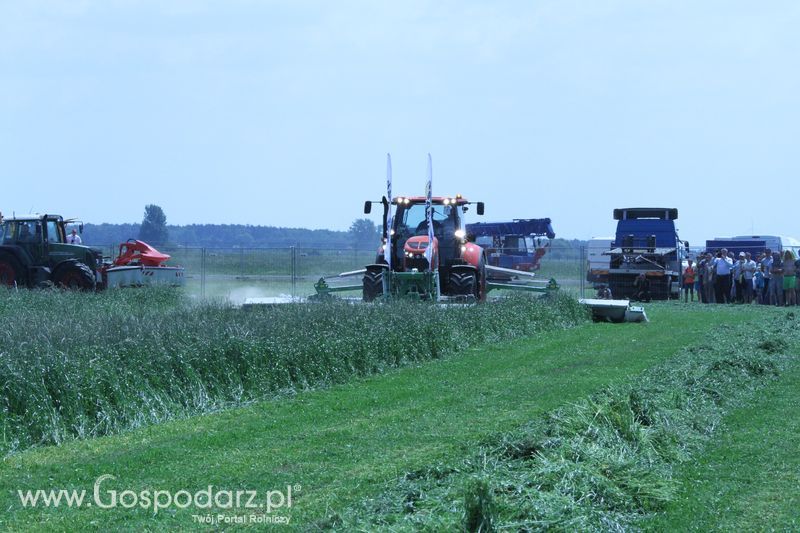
(343, 444)
(602, 463)
(749, 480)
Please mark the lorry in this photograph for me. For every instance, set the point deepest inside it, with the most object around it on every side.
(518, 244)
(646, 243)
(35, 252)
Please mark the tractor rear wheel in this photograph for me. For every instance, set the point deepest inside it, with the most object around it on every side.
(463, 283)
(373, 285)
(480, 286)
(11, 273)
(75, 276)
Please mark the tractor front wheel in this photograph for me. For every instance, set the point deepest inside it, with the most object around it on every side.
(373, 285)
(75, 276)
(463, 283)
(11, 274)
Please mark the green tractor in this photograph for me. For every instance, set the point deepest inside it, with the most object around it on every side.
(34, 252)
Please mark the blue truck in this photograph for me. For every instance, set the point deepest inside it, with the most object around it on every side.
(518, 244)
(754, 244)
(646, 242)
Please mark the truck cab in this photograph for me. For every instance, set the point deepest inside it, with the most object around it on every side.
(646, 243)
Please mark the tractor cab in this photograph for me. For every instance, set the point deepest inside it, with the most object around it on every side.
(32, 234)
(410, 233)
(34, 249)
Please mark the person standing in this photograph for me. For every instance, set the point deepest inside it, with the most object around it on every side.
(789, 280)
(722, 268)
(758, 284)
(738, 278)
(708, 280)
(698, 279)
(766, 264)
(749, 273)
(776, 280)
(797, 281)
(688, 281)
(74, 238)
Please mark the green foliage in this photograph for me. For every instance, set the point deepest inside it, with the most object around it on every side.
(82, 365)
(154, 225)
(364, 233)
(748, 479)
(225, 236)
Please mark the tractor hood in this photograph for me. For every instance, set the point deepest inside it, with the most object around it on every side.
(418, 243)
(85, 254)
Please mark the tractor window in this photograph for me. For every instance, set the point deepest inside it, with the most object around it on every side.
(413, 219)
(53, 232)
(5, 233)
(26, 232)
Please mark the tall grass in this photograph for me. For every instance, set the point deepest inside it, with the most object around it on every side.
(82, 365)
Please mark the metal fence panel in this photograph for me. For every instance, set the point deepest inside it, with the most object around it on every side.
(237, 273)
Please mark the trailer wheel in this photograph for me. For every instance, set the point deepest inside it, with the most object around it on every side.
(11, 273)
(463, 284)
(373, 285)
(75, 276)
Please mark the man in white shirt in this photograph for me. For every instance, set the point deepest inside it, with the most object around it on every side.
(74, 238)
(722, 266)
(749, 273)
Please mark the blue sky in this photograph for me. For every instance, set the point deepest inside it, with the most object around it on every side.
(281, 113)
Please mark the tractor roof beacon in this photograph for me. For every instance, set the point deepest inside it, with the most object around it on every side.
(34, 252)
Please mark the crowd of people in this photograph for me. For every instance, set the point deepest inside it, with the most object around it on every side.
(772, 278)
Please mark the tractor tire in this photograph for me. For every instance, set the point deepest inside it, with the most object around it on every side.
(373, 285)
(11, 272)
(480, 286)
(75, 276)
(461, 283)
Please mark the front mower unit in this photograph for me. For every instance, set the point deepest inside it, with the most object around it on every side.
(412, 285)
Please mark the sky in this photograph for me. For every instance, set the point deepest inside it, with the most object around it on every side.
(282, 113)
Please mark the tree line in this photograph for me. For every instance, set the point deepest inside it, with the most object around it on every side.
(363, 234)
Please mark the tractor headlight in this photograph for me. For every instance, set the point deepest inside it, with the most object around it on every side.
(461, 234)
(463, 249)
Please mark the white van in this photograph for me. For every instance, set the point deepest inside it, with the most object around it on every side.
(597, 264)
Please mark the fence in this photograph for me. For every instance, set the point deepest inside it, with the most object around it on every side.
(239, 273)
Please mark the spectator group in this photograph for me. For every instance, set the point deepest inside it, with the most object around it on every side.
(771, 278)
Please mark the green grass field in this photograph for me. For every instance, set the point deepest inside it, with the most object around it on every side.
(349, 444)
(749, 479)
